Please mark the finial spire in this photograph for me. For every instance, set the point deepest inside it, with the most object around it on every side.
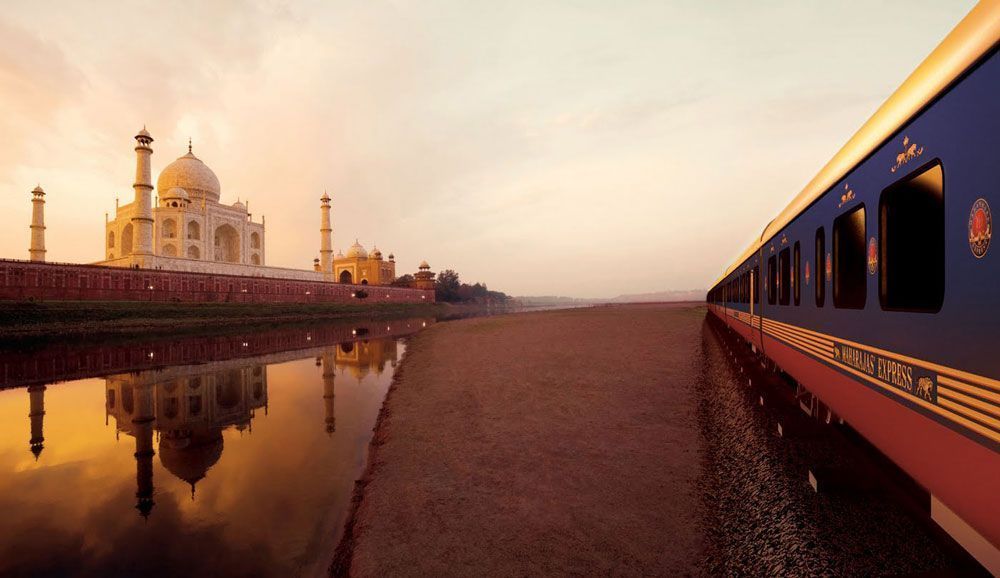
(189, 145)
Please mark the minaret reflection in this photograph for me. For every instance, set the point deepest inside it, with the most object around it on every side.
(142, 429)
(36, 395)
(329, 373)
(189, 406)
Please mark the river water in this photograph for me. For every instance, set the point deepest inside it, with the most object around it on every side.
(227, 455)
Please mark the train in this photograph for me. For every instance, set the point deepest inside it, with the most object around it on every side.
(877, 288)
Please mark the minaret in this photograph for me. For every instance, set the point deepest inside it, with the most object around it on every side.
(142, 219)
(37, 251)
(325, 237)
(328, 375)
(143, 429)
(36, 394)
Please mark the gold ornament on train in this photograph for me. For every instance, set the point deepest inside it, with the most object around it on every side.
(910, 152)
(847, 196)
(980, 228)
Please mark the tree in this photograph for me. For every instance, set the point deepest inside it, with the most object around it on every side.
(403, 281)
(447, 286)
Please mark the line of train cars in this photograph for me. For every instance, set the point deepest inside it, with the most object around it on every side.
(878, 288)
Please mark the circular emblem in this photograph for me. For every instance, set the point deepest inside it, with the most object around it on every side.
(872, 256)
(807, 272)
(980, 228)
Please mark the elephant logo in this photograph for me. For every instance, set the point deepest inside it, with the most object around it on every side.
(910, 152)
(925, 388)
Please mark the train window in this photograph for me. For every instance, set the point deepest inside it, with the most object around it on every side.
(849, 260)
(820, 269)
(756, 284)
(772, 280)
(911, 242)
(796, 273)
(784, 277)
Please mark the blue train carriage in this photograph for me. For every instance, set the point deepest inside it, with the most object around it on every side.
(878, 287)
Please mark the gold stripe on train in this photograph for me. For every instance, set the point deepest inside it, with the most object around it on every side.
(971, 405)
(944, 372)
(941, 411)
(965, 388)
(825, 343)
(823, 353)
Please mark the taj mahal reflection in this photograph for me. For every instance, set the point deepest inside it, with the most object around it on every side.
(180, 413)
(188, 408)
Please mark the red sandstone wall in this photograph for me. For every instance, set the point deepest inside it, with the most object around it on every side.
(78, 360)
(22, 280)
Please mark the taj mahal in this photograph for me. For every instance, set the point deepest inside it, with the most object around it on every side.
(185, 226)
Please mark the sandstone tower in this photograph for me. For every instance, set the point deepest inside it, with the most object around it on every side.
(37, 250)
(325, 238)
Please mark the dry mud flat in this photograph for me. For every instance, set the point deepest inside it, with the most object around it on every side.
(596, 441)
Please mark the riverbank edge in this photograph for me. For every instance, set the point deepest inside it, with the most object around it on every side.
(21, 321)
(340, 566)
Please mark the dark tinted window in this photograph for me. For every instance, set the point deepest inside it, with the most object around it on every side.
(772, 279)
(784, 277)
(820, 263)
(911, 242)
(796, 273)
(849, 263)
(756, 284)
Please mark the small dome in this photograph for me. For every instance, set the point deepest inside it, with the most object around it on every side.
(143, 132)
(38, 190)
(325, 198)
(192, 175)
(392, 257)
(424, 265)
(176, 193)
(376, 254)
(239, 206)
(357, 251)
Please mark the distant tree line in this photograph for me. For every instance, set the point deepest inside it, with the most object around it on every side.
(449, 288)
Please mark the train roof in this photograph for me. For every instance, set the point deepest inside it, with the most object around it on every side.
(975, 35)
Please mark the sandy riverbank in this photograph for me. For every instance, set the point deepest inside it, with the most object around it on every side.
(556, 442)
(614, 440)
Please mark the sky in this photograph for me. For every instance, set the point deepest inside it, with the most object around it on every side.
(577, 148)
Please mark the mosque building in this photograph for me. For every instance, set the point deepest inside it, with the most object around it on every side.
(185, 226)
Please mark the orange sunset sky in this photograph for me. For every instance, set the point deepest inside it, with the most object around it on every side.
(564, 148)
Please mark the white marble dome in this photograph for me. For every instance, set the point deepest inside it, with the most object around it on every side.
(357, 251)
(192, 175)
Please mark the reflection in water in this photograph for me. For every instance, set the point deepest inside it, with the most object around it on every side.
(238, 464)
(36, 394)
(188, 407)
